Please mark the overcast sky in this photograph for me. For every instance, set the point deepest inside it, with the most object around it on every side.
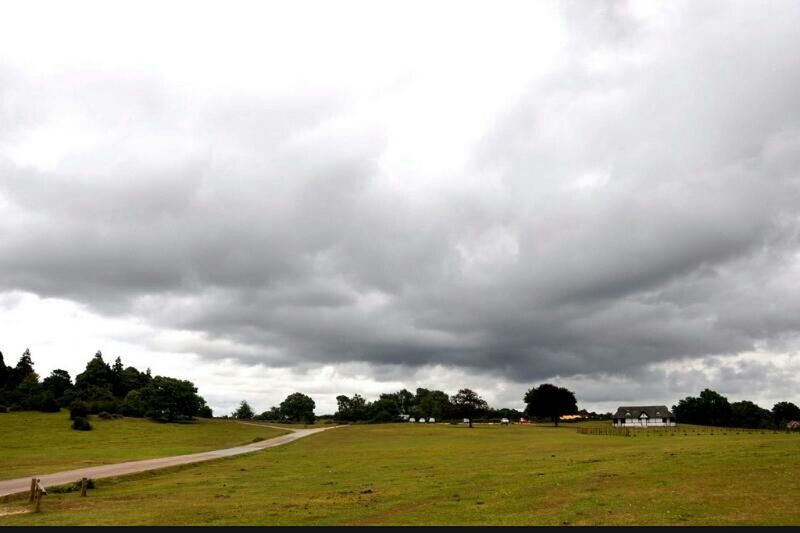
(354, 197)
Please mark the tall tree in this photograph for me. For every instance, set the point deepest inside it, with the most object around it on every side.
(23, 369)
(351, 409)
(784, 412)
(170, 399)
(244, 412)
(431, 403)
(97, 374)
(467, 404)
(746, 414)
(298, 407)
(710, 409)
(550, 401)
(58, 382)
(5, 373)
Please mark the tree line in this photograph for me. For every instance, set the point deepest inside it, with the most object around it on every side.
(544, 402)
(711, 408)
(102, 388)
(116, 390)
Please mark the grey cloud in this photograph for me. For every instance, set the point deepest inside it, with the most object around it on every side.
(639, 214)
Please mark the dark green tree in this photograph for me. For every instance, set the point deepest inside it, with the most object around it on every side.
(431, 403)
(746, 414)
(709, 409)
(58, 382)
(5, 373)
(22, 370)
(133, 405)
(550, 401)
(244, 412)
(97, 374)
(467, 404)
(29, 393)
(170, 399)
(352, 409)
(785, 412)
(273, 414)
(298, 407)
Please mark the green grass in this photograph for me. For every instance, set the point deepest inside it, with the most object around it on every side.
(404, 474)
(41, 443)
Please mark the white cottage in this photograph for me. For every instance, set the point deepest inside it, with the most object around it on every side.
(643, 416)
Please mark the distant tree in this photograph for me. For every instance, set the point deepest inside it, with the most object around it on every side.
(298, 407)
(22, 370)
(746, 414)
(205, 412)
(273, 414)
(97, 374)
(550, 401)
(403, 401)
(431, 403)
(133, 405)
(384, 408)
(710, 409)
(352, 409)
(244, 412)
(170, 399)
(131, 379)
(58, 382)
(29, 393)
(467, 404)
(784, 412)
(47, 402)
(5, 373)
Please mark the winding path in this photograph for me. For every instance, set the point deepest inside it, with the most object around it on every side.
(14, 486)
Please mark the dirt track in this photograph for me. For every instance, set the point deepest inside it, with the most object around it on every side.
(14, 486)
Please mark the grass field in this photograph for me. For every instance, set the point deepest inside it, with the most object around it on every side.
(41, 443)
(413, 474)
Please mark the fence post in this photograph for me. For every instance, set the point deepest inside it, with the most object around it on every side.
(84, 483)
(38, 499)
(33, 490)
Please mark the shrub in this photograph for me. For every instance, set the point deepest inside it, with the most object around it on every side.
(71, 487)
(133, 405)
(78, 409)
(48, 404)
(105, 415)
(3, 409)
(81, 424)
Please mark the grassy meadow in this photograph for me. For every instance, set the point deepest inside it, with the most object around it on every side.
(40, 443)
(440, 474)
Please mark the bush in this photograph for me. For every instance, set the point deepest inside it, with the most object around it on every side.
(71, 487)
(48, 404)
(133, 405)
(78, 409)
(81, 424)
(105, 415)
(3, 409)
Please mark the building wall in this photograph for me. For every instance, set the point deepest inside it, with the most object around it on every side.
(636, 423)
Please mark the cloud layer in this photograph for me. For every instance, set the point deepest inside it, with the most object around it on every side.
(573, 192)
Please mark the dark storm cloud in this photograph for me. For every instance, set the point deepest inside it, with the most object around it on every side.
(625, 212)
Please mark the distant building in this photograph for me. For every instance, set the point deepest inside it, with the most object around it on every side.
(643, 416)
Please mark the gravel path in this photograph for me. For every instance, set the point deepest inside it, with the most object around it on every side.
(14, 486)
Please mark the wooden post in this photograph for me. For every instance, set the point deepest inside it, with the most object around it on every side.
(84, 484)
(38, 499)
(33, 490)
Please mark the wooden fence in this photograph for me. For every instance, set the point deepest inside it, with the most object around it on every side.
(672, 431)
